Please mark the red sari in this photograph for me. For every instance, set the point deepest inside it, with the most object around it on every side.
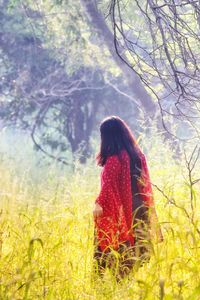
(114, 226)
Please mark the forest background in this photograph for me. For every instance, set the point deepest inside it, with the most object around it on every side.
(64, 66)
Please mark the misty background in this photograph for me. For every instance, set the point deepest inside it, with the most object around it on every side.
(65, 65)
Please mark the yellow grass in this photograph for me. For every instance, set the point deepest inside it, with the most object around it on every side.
(47, 240)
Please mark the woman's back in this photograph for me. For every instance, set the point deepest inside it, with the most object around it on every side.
(116, 199)
(125, 184)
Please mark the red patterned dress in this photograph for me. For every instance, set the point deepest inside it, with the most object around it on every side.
(114, 226)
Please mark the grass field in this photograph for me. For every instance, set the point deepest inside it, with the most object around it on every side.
(47, 237)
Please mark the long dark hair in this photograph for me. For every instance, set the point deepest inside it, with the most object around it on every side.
(115, 137)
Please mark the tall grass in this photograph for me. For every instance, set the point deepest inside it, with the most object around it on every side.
(47, 236)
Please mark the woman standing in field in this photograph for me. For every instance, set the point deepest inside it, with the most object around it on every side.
(122, 209)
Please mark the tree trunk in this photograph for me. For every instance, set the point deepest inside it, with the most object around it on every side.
(132, 79)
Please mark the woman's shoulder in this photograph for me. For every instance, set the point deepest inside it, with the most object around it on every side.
(112, 159)
(122, 156)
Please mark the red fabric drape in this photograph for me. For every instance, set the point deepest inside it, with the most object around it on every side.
(115, 197)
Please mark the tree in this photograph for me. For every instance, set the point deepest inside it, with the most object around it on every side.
(46, 90)
(162, 47)
(133, 80)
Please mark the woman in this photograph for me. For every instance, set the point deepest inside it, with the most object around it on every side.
(121, 213)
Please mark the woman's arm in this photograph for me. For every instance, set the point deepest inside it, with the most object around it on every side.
(108, 180)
